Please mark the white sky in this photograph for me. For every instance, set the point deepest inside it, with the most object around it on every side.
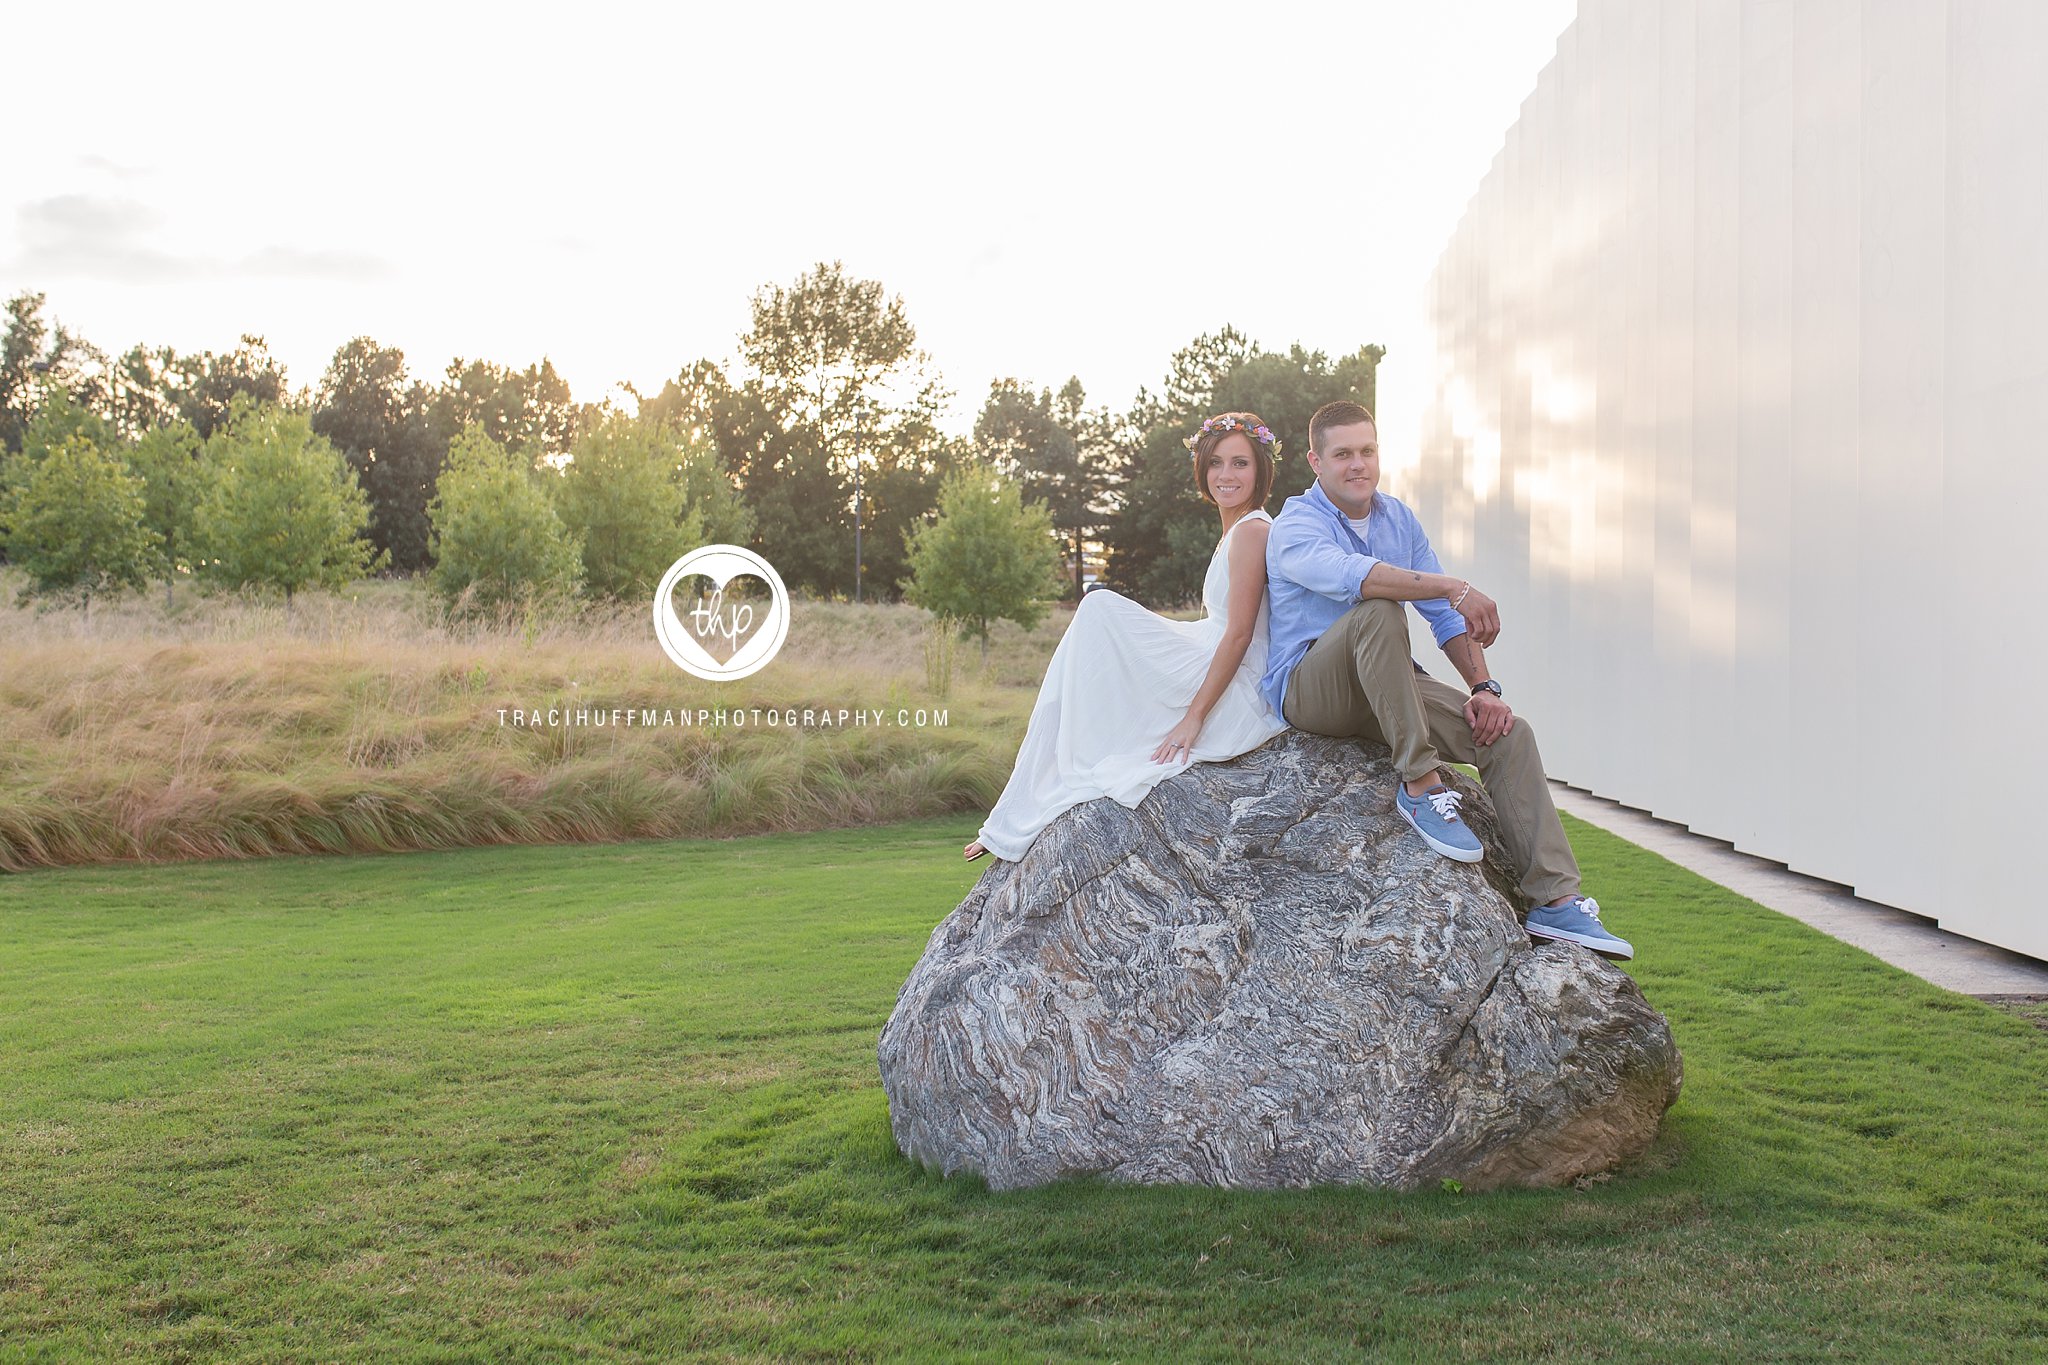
(1053, 190)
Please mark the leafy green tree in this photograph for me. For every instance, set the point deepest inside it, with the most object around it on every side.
(76, 527)
(695, 404)
(1162, 534)
(710, 495)
(989, 556)
(529, 410)
(143, 390)
(168, 460)
(622, 497)
(496, 536)
(1061, 453)
(384, 425)
(700, 407)
(836, 382)
(37, 357)
(56, 420)
(206, 388)
(902, 474)
(281, 509)
(1014, 429)
(21, 366)
(62, 416)
(151, 386)
(1154, 491)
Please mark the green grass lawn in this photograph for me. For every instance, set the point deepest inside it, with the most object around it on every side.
(621, 1102)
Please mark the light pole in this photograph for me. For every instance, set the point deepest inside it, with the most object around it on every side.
(860, 421)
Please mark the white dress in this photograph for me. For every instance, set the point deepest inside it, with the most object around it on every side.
(1120, 679)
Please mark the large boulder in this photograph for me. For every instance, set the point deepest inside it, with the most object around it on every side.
(1262, 977)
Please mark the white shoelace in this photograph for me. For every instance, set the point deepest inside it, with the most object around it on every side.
(1446, 802)
(1591, 907)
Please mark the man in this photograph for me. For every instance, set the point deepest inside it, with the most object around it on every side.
(1340, 561)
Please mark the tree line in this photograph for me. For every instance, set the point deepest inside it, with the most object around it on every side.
(495, 483)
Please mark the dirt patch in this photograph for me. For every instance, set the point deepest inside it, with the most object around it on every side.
(2032, 1008)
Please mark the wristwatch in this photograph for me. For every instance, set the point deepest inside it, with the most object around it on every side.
(1488, 686)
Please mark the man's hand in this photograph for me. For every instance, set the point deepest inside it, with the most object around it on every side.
(1482, 616)
(1488, 715)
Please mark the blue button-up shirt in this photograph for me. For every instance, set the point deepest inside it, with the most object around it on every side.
(1315, 564)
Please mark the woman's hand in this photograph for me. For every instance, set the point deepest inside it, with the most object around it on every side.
(1180, 741)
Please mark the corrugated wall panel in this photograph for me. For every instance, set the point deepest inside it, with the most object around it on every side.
(1739, 385)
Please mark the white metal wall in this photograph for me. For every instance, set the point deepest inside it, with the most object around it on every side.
(1740, 377)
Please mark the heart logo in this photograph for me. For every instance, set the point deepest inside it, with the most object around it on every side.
(721, 612)
(722, 617)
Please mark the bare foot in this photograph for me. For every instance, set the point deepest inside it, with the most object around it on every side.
(973, 851)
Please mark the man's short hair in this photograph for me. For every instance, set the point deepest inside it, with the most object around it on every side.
(1342, 413)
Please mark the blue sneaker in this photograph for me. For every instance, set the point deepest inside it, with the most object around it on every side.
(1577, 921)
(1434, 814)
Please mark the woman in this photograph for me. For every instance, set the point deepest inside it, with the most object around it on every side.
(1130, 697)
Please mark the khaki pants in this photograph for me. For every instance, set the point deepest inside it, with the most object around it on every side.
(1357, 679)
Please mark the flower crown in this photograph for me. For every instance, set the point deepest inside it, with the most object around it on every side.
(1260, 433)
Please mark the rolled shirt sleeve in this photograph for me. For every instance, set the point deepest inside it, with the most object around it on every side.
(1306, 556)
(1445, 624)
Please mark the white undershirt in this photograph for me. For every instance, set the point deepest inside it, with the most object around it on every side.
(1359, 524)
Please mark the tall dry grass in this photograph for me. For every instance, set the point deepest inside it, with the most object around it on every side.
(365, 721)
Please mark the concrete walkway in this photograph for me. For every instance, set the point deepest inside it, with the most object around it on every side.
(1907, 941)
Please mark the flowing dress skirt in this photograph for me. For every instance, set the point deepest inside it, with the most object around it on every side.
(1121, 678)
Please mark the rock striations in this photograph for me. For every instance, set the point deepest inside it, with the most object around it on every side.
(1262, 978)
